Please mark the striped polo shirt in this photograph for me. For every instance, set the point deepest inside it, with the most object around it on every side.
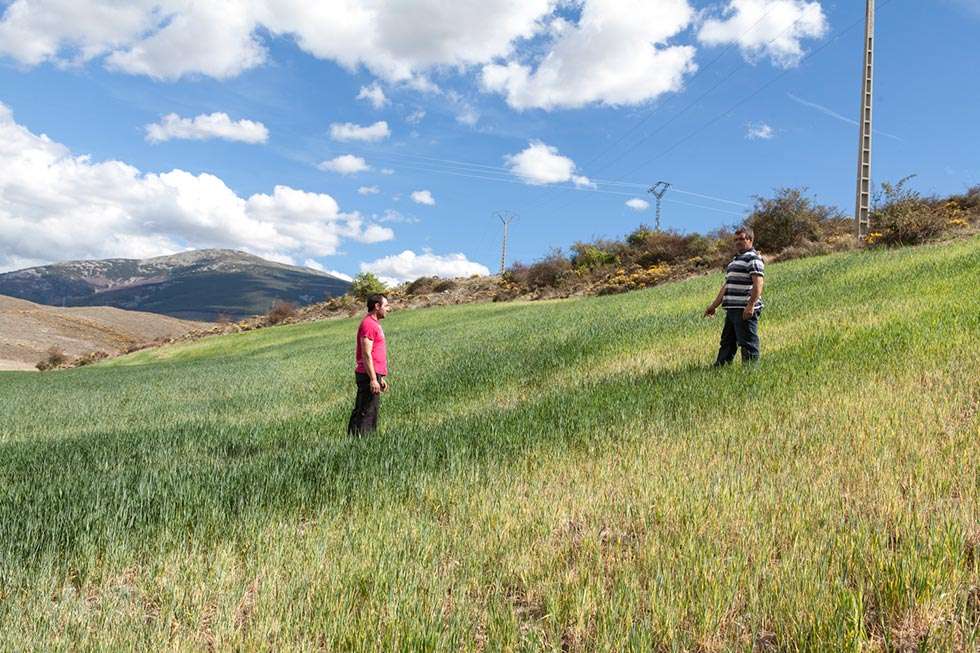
(738, 279)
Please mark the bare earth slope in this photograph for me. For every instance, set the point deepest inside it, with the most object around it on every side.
(28, 330)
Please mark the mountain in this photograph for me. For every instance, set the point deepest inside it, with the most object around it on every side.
(197, 285)
(28, 330)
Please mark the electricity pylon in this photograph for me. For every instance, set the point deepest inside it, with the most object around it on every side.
(862, 209)
(506, 217)
(658, 190)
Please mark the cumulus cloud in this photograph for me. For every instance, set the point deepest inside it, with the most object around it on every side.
(55, 205)
(540, 164)
(617, 54)
(203, 127)
(373, 94)
(423, 197)
(409, 266)
(345, 164)
(415, 117)
(368, 190)
(637, 204)
(348, 131)
(759, 132)
(767, 28)
(396, 41)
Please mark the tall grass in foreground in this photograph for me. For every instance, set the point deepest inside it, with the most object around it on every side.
(551, 476)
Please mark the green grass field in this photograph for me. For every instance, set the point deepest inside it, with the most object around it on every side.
(565, 475)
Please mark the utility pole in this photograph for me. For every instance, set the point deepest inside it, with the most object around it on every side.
(862, 209)
(505, 217)
(658, 190)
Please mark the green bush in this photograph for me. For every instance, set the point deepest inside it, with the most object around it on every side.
(648, 247)
(901, 216)
(550, 271)
(589, 256)
(366, 284)
(792, 219)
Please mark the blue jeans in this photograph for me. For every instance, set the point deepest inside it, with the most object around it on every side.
(739, 332)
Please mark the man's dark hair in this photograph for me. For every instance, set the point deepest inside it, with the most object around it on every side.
(374, 300)
(746, 231)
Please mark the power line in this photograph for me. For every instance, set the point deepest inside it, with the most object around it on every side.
(690, 105)
(751, 96)
(501, 174)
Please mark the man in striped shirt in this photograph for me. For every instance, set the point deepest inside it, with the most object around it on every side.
(741, 297)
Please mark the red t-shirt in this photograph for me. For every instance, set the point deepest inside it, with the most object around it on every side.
(371, 329)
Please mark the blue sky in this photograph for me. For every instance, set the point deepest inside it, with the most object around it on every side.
(548, 110)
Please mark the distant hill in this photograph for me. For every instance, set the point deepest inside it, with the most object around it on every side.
(198, 285)
(28, 330)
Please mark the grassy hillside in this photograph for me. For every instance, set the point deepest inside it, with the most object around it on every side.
(551, 476)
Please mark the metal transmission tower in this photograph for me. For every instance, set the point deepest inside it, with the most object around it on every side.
(506, 217)
(862, 208)
(658, 190)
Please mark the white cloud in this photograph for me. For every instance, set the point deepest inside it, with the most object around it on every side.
(387, 171)
(540, 164)
(368, 190)
(637, 204)
(409, 266)
(168, 39)
(373, 94)
(345, 164)
(340, 275)
(423, 197)
(415, 117)
(617, 54)
(55, 205)
(203, 127)
(767, 28)
(759, 131)
(216, 39)
(348, 131)
(391, 215)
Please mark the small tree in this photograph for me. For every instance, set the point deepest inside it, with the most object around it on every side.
(366, 284)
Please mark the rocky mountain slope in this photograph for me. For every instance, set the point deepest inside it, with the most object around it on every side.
(197, 285)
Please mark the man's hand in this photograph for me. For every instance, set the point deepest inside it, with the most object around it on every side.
(748, 312)
(375, 387)
(384, 385)
(710, 311)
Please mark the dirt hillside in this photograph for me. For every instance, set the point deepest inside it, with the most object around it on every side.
(28, 330)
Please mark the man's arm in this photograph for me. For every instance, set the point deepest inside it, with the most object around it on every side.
(710, 311)
(366, 346)
(757, 282)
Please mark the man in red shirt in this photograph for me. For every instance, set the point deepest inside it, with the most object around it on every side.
(371, 369)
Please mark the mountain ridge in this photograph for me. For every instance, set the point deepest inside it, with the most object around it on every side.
(203, 284)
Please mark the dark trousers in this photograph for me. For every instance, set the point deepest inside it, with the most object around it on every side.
(364, 417)
(739, 332)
